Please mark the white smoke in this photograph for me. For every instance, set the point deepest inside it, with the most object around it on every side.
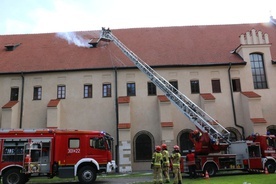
(73, 38)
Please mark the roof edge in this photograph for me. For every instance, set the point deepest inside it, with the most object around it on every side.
(123, 68)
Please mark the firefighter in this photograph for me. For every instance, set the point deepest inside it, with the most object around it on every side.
(156, 165)
(190, 158)
(197, 135)
(166, 163)
(175, 157)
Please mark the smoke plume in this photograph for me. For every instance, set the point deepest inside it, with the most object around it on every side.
(73, 38)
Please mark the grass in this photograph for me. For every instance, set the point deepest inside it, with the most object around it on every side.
(225, 179)
(230, 179)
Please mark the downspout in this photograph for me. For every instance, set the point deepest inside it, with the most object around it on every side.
(22, 100)
(233, 103)
(117, 119)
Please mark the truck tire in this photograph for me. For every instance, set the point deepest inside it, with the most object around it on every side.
(271, 166)
(13, 176)
(87, 174)
(211, 169)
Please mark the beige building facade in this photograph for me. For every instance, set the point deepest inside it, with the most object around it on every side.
(229, 75)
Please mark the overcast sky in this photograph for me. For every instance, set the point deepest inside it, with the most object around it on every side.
(43, 16)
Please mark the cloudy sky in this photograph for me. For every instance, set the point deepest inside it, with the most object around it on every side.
(43, 16)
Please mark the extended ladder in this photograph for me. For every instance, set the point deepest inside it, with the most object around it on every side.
(195, 114)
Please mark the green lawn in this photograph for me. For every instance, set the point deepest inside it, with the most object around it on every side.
(226, 179)
(233, 179)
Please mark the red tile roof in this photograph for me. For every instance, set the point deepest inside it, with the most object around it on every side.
(163, 98)
(258, 120)
(53, 103)
(250, 94)
(184, 45)
(207, 96)
(10, 104)
(123, 99)
(124, 125)
(166, 124)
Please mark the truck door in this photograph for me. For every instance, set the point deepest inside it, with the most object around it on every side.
(255, 160)
(74, 151)
(97, 149)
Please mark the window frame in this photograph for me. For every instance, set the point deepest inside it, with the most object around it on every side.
(131, 89)
(73, 143)
(258, 71)
(14, 96)
(87, 91)
(61, 91)
(174, 83)
(216, 87)
(107, 90)
(195, 89)
(151, 89)
(143, 150)
(236, 85)
(37, 94)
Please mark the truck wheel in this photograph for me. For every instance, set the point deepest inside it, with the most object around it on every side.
(271, 166)
(87, 174)
(211, 169)
(13, 176)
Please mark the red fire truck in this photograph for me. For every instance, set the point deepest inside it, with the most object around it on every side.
(54, 152)
(214, 150)
(255, 154)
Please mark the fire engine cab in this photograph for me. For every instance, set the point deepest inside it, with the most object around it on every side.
(54, 152)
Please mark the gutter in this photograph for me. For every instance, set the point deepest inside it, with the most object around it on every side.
(233, 103)
(117, 119)
(22, 99)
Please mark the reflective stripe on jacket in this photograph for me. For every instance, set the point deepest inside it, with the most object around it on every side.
(157, 158)
(166, 156)
(176, 159)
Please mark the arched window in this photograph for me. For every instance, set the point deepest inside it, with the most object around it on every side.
(235, 135)
(258, 71)
(272, 129)
(184, 142)
(143, 146)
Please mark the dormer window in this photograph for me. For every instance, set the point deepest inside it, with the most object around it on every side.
(12, 46)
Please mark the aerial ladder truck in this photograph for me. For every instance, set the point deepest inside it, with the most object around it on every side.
(214, 149)
(217, 135)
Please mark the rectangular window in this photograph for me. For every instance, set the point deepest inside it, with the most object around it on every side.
(87, 91)
(174, 83)
(14, 94)
(258, 71)
(131, 91)
(194, 86)
(61, 92)
(98, 143)
(216, 86)
(236, 85)
(37, 93)
(74, 143)
(151, 89)
(106, 90)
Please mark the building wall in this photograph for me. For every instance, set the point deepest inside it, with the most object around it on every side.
(143, 112)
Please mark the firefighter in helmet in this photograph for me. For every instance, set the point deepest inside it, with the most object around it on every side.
(175, 158)
(190, 158)
(197, 135)
(156, 164)
(166, 163)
